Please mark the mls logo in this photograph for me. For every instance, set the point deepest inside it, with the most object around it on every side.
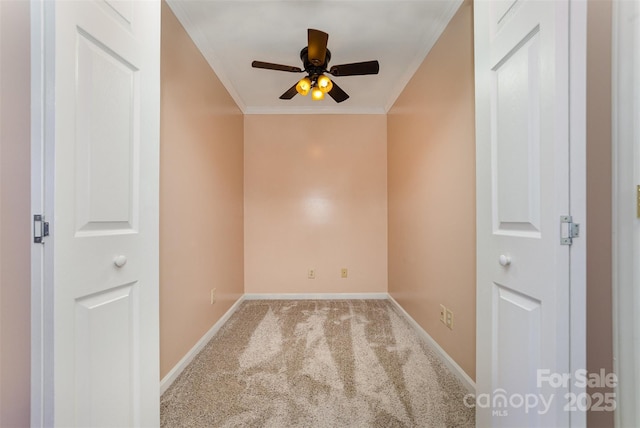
(502, 412)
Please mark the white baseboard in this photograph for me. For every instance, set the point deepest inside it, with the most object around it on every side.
(318, 296)
(173, 374)
(467, 382)
(166, 382)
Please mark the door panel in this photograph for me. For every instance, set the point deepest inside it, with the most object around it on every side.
(517, 348)
(521, 55)
(516, 139)
(500, 9)
(123, 11)
(107, 354)
(107, 130)
(106, 326)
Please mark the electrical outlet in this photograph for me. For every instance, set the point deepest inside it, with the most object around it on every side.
(213, 296)
(344, 273)
(311, 274)
(449, 319)
(443, 310)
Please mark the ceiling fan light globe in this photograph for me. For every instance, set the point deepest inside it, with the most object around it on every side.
(317, 94)
(324, 84)
(304, 86)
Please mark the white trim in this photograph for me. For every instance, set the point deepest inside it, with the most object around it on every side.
(326, 109)
(625, 227)
(173, 374)
(42, 47)
(318, 296)
(578, 196)
(37, 145)
(464, 378)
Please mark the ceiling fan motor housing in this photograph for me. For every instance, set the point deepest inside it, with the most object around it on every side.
(314, 70)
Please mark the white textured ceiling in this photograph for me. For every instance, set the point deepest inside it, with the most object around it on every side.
(232, 33)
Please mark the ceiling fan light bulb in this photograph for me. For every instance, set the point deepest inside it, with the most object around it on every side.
(303, 86)
(317, 94)
(324, 83)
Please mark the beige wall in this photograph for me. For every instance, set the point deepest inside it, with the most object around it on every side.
(431, 200)
(201, 205)
(315, 197)
(15, 229)
(431, 150)
(599, 269)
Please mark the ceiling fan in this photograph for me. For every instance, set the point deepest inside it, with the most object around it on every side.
(315, 58)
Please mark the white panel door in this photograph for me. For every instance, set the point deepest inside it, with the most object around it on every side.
(522, 69)
(105, 231)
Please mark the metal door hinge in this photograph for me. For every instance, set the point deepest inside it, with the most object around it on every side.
(40, 228)
(568, 230)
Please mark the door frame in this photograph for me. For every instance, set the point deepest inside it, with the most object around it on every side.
(578, 197)
(626, 245)
(42, 186)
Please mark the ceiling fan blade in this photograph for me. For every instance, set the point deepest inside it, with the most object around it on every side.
(279, 67)
(337, 93)
(291, 92)
(317, 46)
(356, 69)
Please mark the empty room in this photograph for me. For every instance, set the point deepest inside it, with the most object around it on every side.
(317, 213)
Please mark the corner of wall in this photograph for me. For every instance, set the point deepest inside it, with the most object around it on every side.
(431, 158)
(201, 195)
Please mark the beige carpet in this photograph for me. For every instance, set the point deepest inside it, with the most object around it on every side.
(316, 363)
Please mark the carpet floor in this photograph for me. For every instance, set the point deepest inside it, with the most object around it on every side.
(316, 363)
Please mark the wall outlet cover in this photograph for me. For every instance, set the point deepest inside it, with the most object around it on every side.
(449, 319)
